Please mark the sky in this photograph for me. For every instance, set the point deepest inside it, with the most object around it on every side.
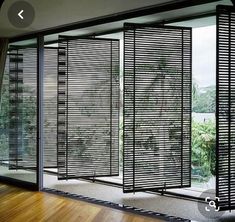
(204, 56)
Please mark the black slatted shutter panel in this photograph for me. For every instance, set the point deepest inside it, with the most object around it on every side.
(88, 105)
(22, 108)
(50, 107)
(157, 107)
(225, 178)
(15, 109)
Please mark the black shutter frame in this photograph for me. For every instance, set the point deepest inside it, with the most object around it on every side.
(71, 60)
(130, 184)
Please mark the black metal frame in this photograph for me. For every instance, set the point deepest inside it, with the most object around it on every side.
(40, 115)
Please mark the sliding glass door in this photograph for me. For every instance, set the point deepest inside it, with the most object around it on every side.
(18, 130)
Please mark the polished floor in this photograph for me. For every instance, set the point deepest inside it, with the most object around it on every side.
(148, 201)
(19, 205)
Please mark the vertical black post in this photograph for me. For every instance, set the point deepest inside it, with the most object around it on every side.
(40, 117)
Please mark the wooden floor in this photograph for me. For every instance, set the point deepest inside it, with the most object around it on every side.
(20, 205)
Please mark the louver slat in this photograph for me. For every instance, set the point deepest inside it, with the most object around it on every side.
(88, 105)
(157, 107)
(225, 178)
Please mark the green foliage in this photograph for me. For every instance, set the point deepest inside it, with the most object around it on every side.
(204, 101)
(4, 113)
(203, 147)
(4, 106)
(29, 121)
(28, 110)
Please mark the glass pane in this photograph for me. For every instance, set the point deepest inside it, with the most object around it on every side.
(203, 108)
(18, 114)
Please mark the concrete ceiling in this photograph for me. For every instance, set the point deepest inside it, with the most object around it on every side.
(164, 16)
(52, 13)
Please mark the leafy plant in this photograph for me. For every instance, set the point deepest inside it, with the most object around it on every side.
(203, 147)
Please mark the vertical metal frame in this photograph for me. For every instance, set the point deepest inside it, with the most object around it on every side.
(40, 116)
